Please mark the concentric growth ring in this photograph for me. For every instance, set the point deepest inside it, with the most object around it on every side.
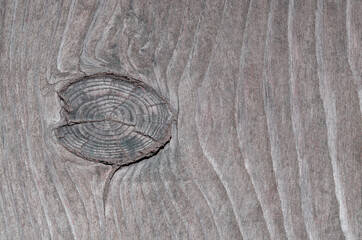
(113, 119)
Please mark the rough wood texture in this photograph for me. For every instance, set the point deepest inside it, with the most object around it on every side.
(268, 140)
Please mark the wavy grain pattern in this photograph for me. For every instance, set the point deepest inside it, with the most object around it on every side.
(268, 139)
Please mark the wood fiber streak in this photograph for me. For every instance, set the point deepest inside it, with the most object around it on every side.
(268, 98)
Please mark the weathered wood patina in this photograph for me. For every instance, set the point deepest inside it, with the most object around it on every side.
(267, 139)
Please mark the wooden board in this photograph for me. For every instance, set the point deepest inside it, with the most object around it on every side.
(268, 139)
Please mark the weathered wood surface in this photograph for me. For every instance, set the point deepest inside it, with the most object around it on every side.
(268, 138)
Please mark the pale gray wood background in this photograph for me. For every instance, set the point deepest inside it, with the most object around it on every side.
(268, 138)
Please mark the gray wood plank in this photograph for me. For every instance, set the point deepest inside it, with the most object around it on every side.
(267, 143)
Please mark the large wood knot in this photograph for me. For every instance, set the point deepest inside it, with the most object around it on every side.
(113, 119)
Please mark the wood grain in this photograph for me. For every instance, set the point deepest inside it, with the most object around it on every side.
(268, 138)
